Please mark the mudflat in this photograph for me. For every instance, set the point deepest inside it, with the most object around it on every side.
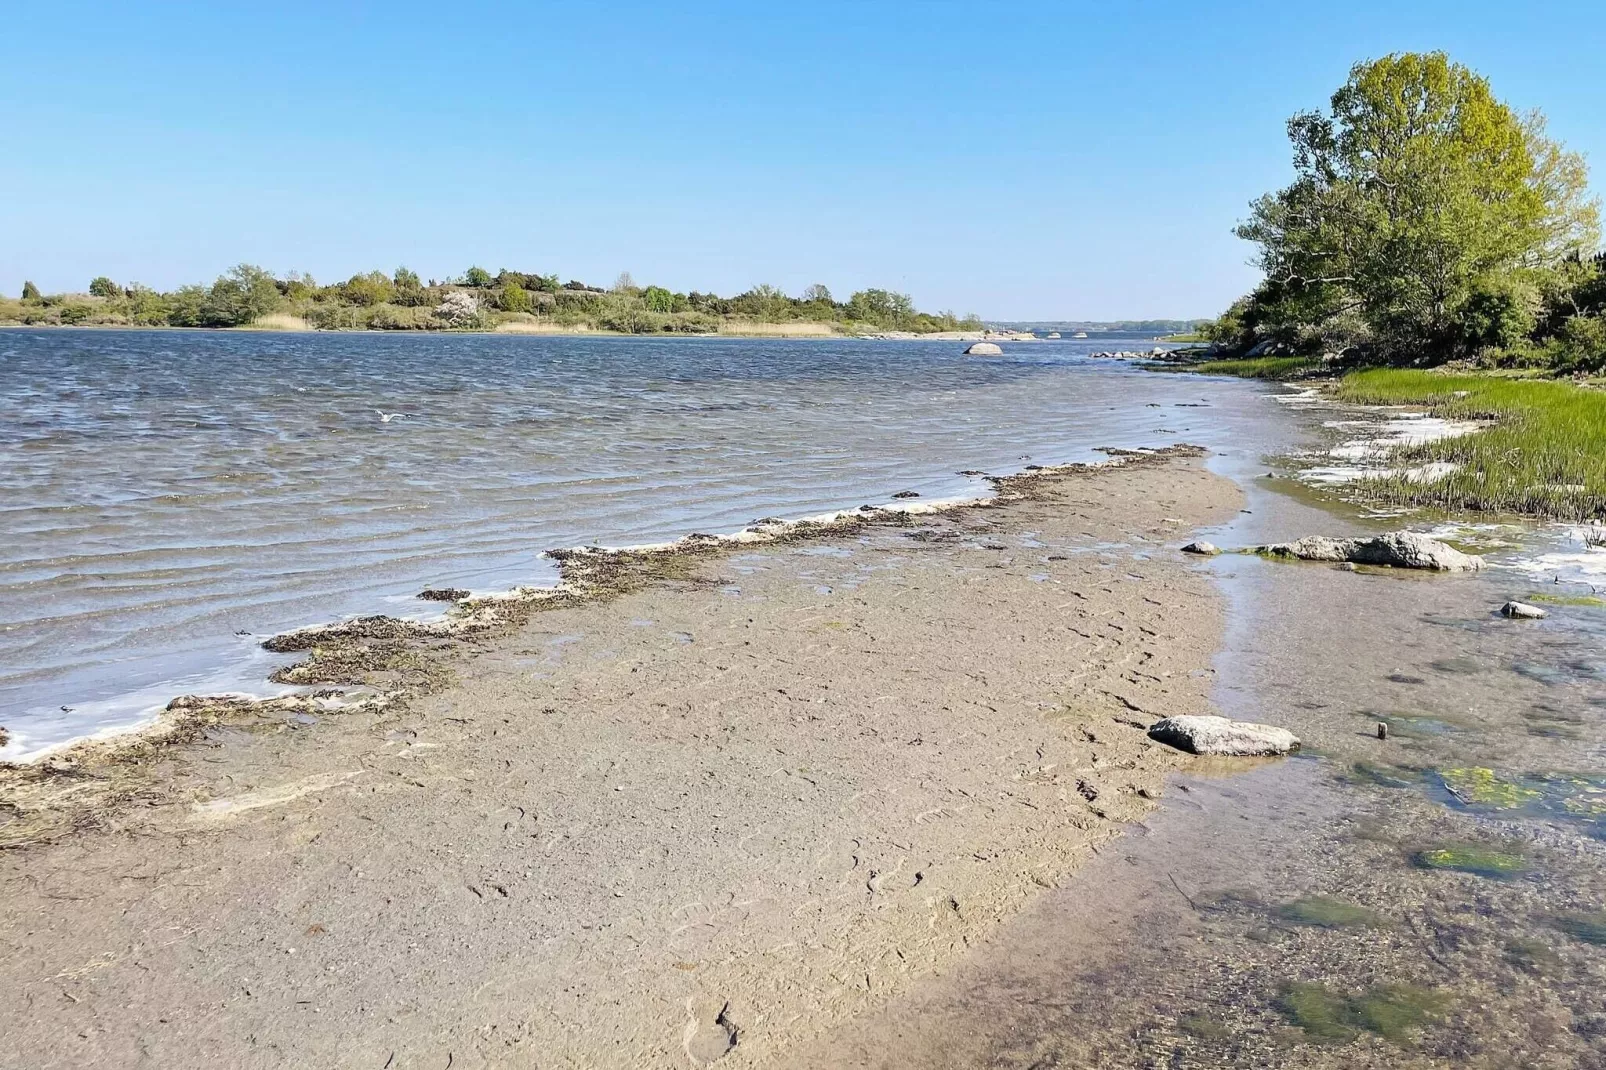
(705, 820)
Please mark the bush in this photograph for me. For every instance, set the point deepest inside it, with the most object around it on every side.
(1580, 346)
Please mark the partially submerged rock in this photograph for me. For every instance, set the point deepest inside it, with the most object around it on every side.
(1203, 548)
(984, 349)
(1399, 549)
(443, 594)
(1208, 734)
(1523, 611)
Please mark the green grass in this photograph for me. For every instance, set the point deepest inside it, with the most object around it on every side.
(1545, 455)
(1254, 367)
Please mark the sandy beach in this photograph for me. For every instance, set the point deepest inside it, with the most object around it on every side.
(709, 816)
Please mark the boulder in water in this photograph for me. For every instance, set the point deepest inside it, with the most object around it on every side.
(984, 349)
(1522, 611)
(1399, 549)
(1208, 734)
(1203, 548)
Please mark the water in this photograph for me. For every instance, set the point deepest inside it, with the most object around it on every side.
(168, 498)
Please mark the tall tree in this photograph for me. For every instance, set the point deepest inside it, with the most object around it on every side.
(1418, 201)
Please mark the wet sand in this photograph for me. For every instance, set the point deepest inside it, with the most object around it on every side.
(712, 818)
(1290, 916)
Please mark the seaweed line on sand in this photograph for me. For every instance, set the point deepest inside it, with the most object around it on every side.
(379, 663)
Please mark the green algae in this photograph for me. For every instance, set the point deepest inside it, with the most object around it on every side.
(1590, 928)
(1414, 726)
(1321, 912)
(1477, 786)
(1549, 599)
(1534, 956)
(1471, 858)
(1393, 1012)
(1203, 1027)
(1383, 776)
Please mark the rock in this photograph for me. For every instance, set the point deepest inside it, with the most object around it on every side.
(984, 349)
(907, 494)
(1523, 611)
(1206, 549)
(1205, 734)
(1400, 549)
(443, 594)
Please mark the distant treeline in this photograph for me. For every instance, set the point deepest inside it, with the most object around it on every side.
(1109, 326)
(478, 300)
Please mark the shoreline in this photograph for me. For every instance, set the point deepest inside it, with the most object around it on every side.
(478, 611)
(1031, 573)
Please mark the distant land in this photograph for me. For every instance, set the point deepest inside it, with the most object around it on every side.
(1100, 326)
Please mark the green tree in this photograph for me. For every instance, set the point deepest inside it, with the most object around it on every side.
(514, 298)
(243, 295)
(477, 277)
(817, 294)
(374, 288)
(30, 292)
(658, 299)
(881, 307)
(101, 286)
(408, 289)
(1415, 204)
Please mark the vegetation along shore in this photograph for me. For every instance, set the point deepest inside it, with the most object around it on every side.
(1437, 249)
(511, 301)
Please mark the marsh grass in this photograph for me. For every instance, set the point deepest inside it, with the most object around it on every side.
(1250, 367)
(1545, 454)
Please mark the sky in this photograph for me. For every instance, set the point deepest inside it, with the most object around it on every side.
(1022, 160)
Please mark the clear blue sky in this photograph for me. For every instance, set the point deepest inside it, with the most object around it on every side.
(1028, 159)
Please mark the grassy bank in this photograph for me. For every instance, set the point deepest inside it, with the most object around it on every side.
(1256, 367)
(1545, 454)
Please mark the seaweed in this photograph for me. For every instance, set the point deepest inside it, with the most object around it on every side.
(1393, 1012)
(1471, 858)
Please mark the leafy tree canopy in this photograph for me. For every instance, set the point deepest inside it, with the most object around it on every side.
(1420, 210)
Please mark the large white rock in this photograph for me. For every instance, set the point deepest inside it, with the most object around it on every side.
(1399, 549)
(984, 349)
(1208, 734)
(1523, 611)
